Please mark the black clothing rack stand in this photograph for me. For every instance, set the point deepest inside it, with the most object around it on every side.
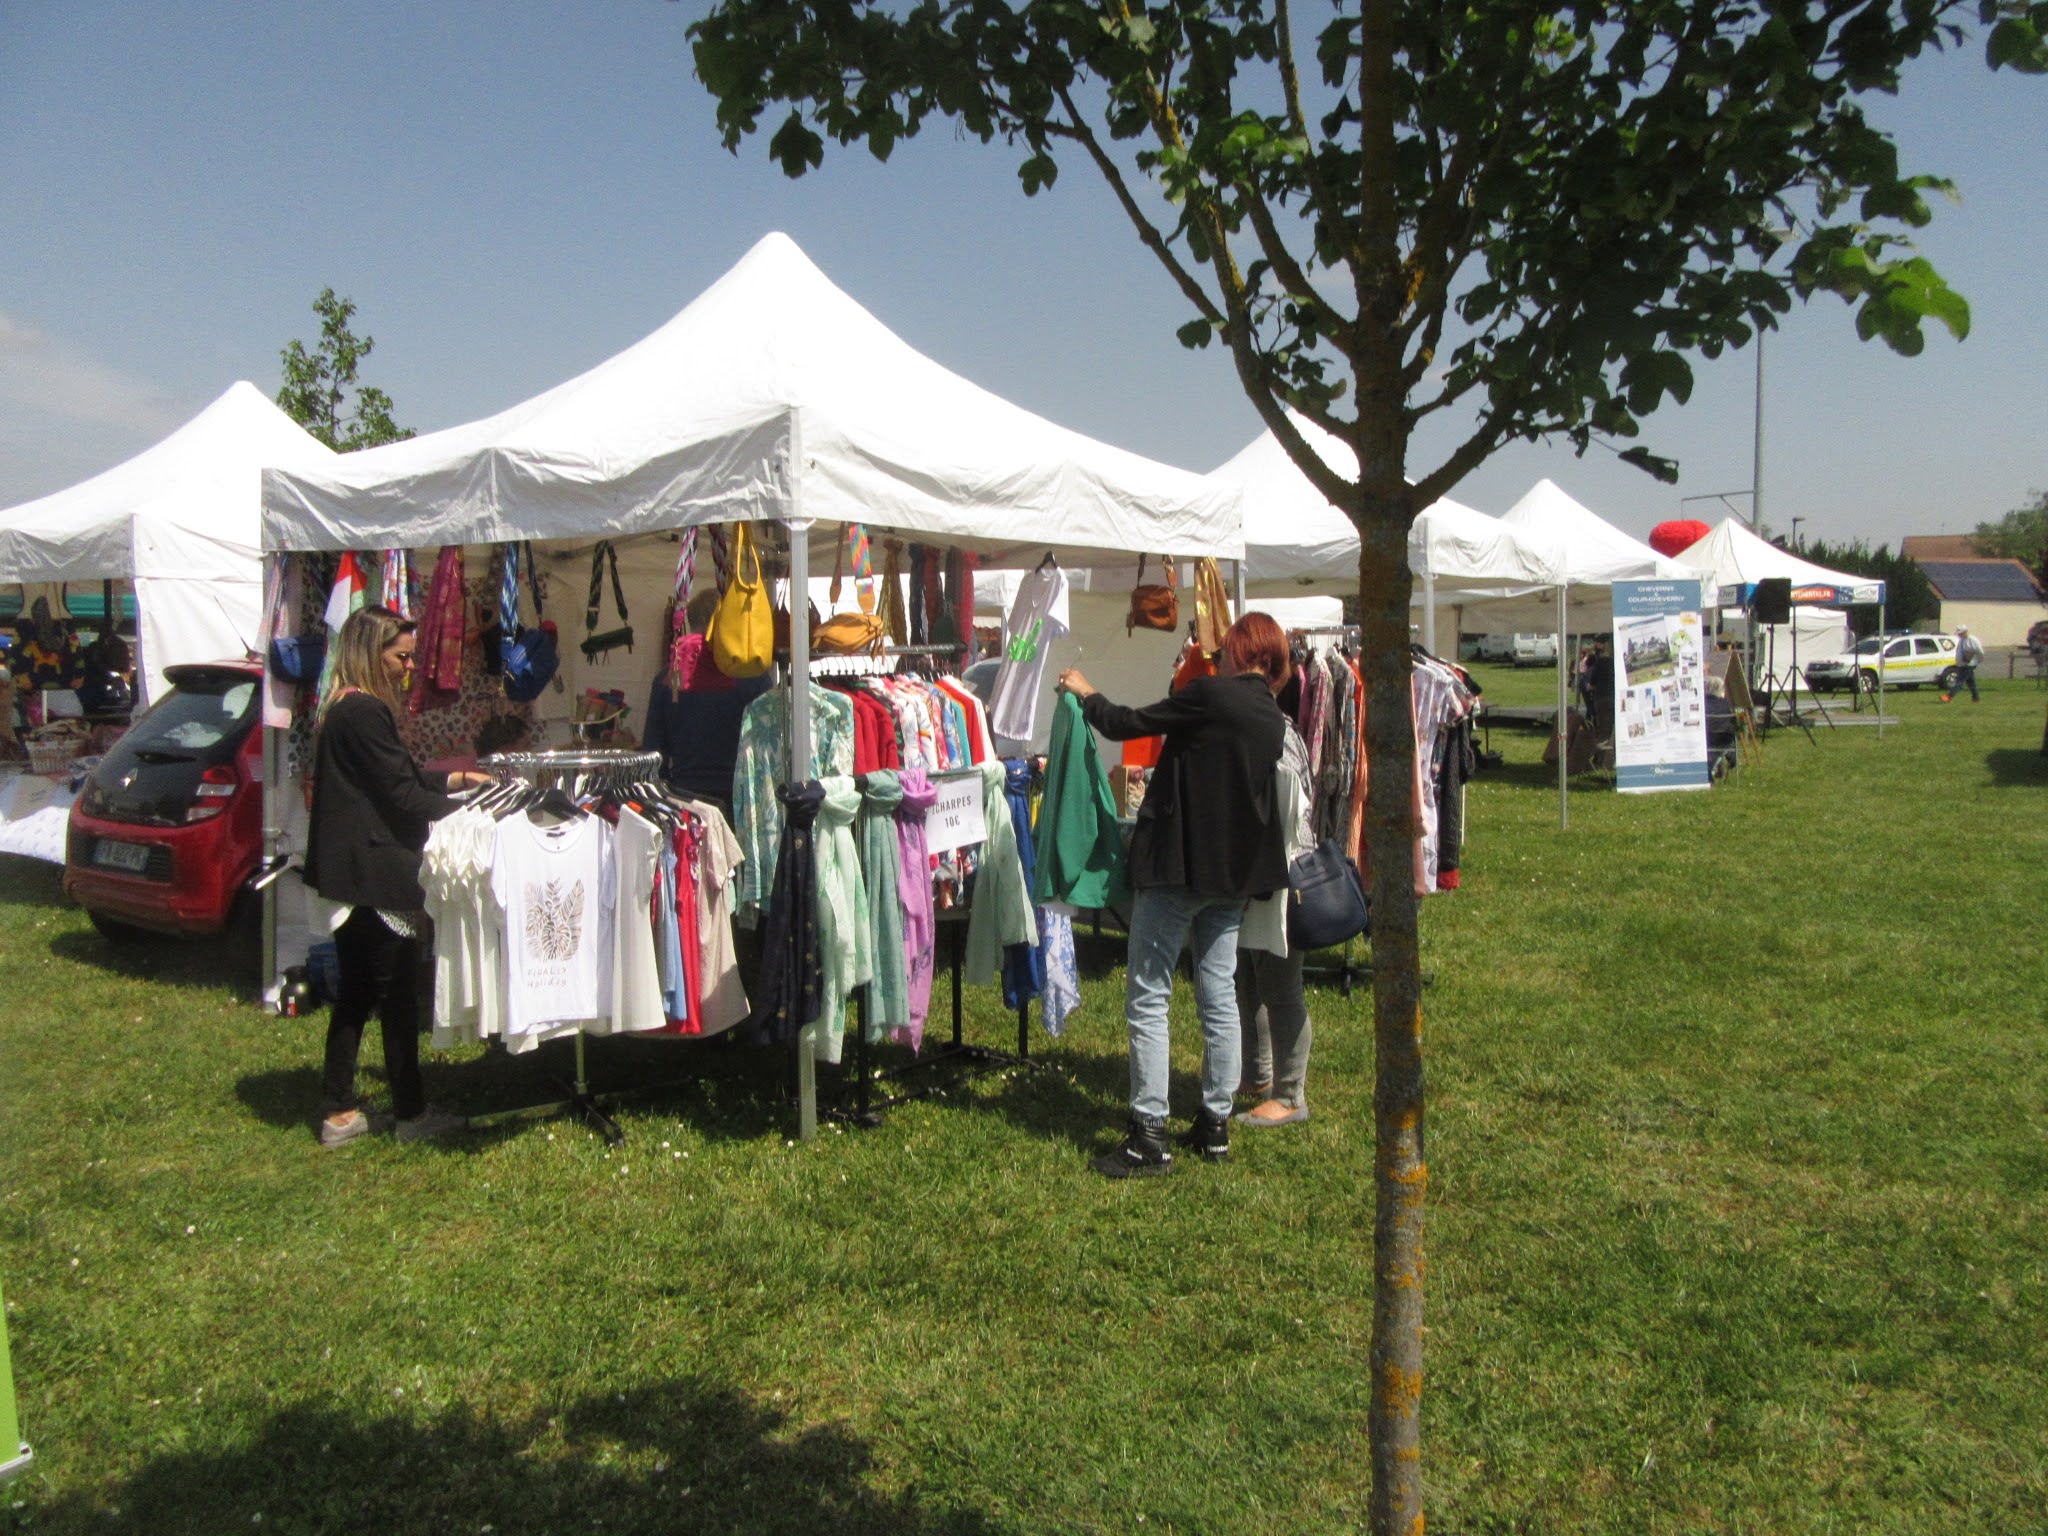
(865, 1110)
(587, 764)
(1346, 970)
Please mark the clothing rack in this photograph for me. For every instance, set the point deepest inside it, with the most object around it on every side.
(589, 765)
(866, 1109)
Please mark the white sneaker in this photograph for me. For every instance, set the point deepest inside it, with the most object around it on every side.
(333, 1134)
(430, 1123)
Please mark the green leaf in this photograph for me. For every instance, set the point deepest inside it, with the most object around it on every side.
(1195, 335)
(796, 148)
(1650, 463)
(1038, 173)
(2017, 44)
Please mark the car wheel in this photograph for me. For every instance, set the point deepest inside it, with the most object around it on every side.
(1866, 682)
(115, 931)
(1948, 680)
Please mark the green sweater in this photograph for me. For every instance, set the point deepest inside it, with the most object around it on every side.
(1079, 846)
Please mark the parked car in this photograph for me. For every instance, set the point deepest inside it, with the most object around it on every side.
(169, 826)
(1907, 661)
(1534, 651)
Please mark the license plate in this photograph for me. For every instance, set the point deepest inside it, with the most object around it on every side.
(132, 857)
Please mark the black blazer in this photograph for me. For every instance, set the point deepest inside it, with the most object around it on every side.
(371, 809)
(1211, 818)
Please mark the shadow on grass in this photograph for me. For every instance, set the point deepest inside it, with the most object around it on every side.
(681, 1456)
(2017, 767)
(723, 1087)
(206, 964)
(26, 882)
(1543, 776)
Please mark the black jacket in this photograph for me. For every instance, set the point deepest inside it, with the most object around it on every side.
(371, 809)
(1210, 821)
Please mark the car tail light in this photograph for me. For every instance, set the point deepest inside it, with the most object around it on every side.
(217, 786)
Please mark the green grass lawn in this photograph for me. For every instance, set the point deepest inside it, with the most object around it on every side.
(1739, 1134)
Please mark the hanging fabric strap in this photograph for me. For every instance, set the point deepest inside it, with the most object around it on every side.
(721, 555)
(605, 554)
(508, 592)
(686, 566)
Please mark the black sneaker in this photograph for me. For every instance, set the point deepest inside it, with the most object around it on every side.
(1209, 1135)
(1141, 1154)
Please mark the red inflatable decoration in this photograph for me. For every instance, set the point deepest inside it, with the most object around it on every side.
(1669, 538)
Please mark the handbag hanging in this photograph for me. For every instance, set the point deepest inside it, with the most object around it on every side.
(849, 634)
(596, 645)
(742, 632)
(1326, 900)
(531, 655)
(1153, 606)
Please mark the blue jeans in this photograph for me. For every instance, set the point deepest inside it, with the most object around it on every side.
(1966, 677)
(1162, 917)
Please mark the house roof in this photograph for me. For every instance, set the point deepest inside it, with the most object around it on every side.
(1939, 546)
(1982, 581)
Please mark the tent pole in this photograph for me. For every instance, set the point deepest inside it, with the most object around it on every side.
(1429, 611)
(800, 761)
(1237, 585)
(1882, 594)
(1563, 729)
(272, 846)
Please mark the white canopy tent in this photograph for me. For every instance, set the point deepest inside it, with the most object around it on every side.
(773, 396)
(1737, 560)
(1297, 542)
(180, 520)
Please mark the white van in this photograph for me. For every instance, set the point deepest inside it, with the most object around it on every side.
(1534, 651)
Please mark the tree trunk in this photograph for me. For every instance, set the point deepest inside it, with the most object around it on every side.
(1400, 1175)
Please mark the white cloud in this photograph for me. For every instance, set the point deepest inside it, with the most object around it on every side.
(45, 375)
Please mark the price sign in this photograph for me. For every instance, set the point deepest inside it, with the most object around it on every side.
(955, 819)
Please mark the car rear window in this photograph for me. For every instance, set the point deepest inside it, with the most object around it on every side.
(198, 713)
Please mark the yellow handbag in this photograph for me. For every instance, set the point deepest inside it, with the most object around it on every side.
(1212, 607)
(741, 636)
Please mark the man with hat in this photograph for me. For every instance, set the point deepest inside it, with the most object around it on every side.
(1969, 651)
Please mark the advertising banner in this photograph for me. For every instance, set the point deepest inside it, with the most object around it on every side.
(1660, 692)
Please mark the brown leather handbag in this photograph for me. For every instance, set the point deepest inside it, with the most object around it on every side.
(1154, 607)
(1212, 606)
(849, 634)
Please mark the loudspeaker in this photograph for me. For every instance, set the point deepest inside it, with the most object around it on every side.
(1771, 603)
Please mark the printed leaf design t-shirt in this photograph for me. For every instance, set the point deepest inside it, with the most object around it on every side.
(556, 888)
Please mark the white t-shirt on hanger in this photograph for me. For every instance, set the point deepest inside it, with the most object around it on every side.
(556, 886)
(1036, 619)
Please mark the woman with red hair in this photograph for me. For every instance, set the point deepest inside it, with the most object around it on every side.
(1209, 838)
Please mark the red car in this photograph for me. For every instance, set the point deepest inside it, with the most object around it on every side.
(168, 828)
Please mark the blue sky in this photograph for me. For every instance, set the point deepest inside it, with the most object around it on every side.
(513, 191)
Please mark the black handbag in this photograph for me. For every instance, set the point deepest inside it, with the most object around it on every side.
(594, 643)
(1326, 900)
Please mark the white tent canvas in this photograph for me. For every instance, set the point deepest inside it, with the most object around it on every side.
(1737, 559)
(181, 520)
(773, 395)
(1296, 541)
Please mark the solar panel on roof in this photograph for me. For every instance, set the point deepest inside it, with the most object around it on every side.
(1981, 581)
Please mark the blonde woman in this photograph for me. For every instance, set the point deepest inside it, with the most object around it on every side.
(372, 806)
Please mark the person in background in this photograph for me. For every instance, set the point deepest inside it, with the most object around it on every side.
(1208, 838)
(372, 806)
(1271, 1009)
(1969, 652)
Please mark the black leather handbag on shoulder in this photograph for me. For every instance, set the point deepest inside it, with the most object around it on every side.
(1326, 900)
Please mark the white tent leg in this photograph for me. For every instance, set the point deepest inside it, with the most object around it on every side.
(1237, 586)
(1429, 613)
(272, 845)
(1880, 667)
(800, 729)
(1564, 816)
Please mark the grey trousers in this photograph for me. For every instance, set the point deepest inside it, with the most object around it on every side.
(1274, 1017)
